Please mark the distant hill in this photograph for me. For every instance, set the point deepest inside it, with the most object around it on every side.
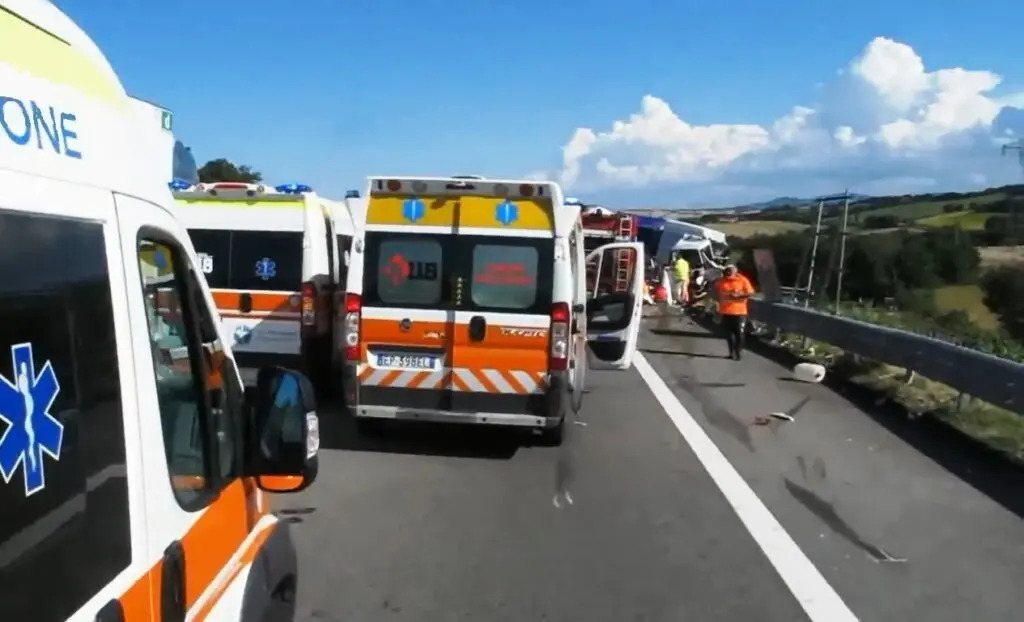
(784, 202)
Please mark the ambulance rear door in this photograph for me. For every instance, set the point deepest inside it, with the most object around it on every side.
(407, 314)
(614, 304)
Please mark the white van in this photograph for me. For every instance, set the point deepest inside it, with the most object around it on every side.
(274, 257)
(132, 465)
(467, 303)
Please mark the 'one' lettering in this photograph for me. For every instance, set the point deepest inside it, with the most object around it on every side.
(21, 122)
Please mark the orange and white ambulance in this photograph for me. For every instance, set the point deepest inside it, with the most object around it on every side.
(274, 257)
(467, 303)
(132, 464)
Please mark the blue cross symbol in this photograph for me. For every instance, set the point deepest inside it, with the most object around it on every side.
(506, 213)
(266, 269)
(31, 429)
(413, 209)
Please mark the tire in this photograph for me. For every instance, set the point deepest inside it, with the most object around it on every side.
(367, 426)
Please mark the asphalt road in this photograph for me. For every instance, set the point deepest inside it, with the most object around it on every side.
(678, 503)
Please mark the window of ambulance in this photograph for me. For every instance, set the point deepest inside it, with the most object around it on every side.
(506, 274)
(266, 260)
(405, 271)
(249, 260)
(64, 520)
(213, 249)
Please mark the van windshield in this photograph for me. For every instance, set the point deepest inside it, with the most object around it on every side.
(249, 260)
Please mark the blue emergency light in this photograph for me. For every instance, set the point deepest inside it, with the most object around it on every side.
(351, 194)
(179, 184)
(293, 188)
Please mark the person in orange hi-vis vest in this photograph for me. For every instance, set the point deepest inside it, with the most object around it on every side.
(733, 291)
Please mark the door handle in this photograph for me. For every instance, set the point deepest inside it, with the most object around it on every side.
(113, 611)
(172, 584)
(245, 302)
(477, 328)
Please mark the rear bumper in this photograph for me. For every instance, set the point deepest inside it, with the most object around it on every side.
(539, 410)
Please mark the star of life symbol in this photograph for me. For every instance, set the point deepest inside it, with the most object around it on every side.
(31, 430)
(266, 269)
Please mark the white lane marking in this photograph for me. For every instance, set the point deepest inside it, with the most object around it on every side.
(819, 600)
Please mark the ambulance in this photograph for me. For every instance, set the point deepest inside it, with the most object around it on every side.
(467, 303)
(133, 467)
(274, 257)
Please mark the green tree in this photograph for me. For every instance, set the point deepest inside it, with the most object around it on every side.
(916, 266)
(223, 169)
(1004, 294)
(956, 258)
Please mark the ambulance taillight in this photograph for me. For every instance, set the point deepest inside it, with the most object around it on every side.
(560, 318)
(353, 311)
(308, 306)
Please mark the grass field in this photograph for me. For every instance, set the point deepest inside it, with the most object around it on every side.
(969, 221)
(751, 228)
(926, 209)
(969, 299)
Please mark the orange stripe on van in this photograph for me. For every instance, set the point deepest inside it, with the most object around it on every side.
(209, 545)
(261, 301)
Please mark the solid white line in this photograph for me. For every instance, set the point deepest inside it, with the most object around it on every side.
(819, 600)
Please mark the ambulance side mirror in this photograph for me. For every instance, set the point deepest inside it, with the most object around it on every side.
(286, 441)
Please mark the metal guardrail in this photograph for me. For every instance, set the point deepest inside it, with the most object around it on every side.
(989, 378)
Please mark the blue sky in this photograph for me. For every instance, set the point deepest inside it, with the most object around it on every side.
(327, 93)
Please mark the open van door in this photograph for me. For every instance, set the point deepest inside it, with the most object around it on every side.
(615, 286)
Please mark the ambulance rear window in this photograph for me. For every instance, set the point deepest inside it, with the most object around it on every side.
(250, 260)
(408, 271)
(266, 260)
(213, 248)
(504, 276)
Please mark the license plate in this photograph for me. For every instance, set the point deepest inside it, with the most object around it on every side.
(406, 361)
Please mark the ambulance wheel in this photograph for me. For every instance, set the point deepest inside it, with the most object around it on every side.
(368, 426)
(553, 437)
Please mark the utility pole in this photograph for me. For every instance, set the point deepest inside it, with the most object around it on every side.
(842, 248)
(814, 253)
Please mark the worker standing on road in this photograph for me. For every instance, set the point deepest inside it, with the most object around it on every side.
(734, 290)
(681, 272)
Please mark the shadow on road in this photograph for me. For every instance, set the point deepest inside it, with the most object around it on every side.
(985, 469)
(338, 431)
(675, 332)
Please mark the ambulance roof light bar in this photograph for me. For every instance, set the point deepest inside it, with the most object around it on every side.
(293, 188)
(443, 185)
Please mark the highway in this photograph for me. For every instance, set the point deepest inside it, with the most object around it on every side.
(673, 498)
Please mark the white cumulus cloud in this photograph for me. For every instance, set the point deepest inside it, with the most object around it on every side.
(885, 124)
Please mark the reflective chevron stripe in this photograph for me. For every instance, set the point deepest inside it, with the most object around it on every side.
(514, 381)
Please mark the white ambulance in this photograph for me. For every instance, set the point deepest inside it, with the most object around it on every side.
(274, 258)
(132, 465)
(467, 303)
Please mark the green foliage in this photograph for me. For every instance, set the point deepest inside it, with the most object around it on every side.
(880, 221)
(222, 169)
(1004, 294)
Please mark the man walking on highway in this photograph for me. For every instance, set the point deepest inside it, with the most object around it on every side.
(681, 274)
(733, 291)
